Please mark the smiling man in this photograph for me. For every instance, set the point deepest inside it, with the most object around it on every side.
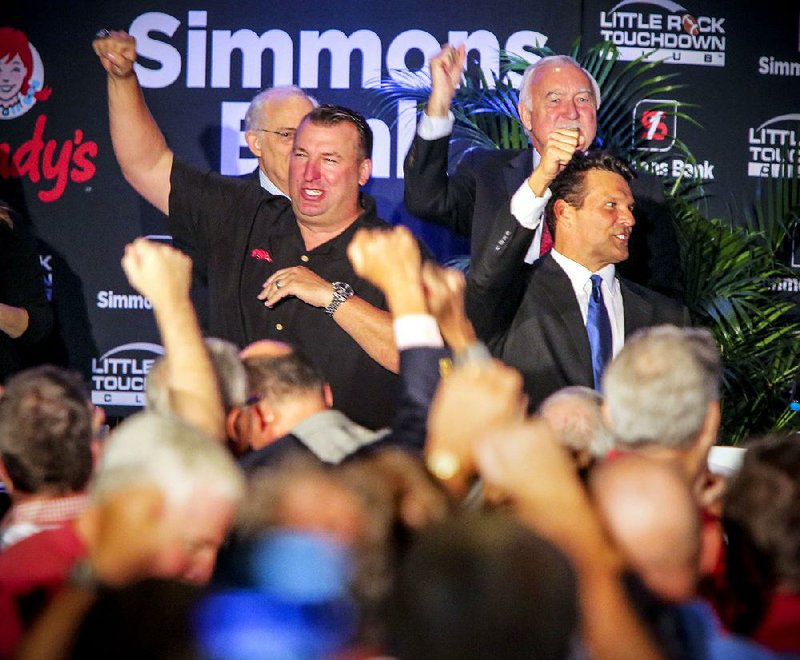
(560, 320)
(277, 268)
(558, 105)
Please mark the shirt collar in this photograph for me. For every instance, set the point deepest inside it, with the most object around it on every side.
(579, 275)
(268, 185)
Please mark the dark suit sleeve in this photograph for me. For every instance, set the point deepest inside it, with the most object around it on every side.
(420, 372)
(431, 194)
(498, 277)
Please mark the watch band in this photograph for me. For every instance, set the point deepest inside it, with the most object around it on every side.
(341, 291)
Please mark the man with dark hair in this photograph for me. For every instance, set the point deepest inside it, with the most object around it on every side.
(560, 320)
(290, 410)
(558, 105)
(484, 586)
(276, 269)
(46, 450)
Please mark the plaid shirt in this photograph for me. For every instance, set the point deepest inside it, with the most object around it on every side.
(27, 518)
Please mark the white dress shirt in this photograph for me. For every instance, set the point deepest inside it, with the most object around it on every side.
(581, 279)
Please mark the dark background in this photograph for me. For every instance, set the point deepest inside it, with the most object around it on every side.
(84, 230)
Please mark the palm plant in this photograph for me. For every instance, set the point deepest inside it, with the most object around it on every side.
(728, 269)
(728, 265)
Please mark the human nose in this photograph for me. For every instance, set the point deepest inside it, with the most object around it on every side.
(627, 217)
(571, 109)
(312, 170)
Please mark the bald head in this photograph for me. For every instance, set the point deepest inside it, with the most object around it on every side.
(648, 509)
(265, 348)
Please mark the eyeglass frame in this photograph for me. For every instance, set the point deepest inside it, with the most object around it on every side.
(286, 136)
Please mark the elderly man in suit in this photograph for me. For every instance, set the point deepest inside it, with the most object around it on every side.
(269, 127)
(558, 105)
(560, 320)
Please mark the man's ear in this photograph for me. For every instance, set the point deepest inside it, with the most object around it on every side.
(327, 394)
(251, 137)
(524, 115)
(562, 210)
(364, 171)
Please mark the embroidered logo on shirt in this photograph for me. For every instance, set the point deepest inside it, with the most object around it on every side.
(263, 255)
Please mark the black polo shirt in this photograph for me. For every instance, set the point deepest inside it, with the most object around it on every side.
(240, 234)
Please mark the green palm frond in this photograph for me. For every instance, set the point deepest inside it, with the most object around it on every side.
(730, 266)
(728, 271)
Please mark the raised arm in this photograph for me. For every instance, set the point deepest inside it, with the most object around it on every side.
(139, 145)
(163, 274)
(428, 190)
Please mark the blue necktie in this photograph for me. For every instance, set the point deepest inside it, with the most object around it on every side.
(598, 327)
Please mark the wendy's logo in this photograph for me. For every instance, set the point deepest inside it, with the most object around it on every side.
(21, 74)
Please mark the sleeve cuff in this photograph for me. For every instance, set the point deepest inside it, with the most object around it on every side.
(527, 208)
(434, 128)
(417, 331)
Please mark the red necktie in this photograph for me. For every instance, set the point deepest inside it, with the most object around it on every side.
(547, 240)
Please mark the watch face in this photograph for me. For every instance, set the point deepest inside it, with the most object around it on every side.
(343, 289)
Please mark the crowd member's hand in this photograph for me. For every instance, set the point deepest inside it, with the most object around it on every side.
(391, 260)
(157, 271)
(444, 294)
(297, 281)
(384, 256)
(117, 53)
(446, 70)
(470, 401)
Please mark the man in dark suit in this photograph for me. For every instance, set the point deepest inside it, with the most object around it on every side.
(536, 317)
(558, 106)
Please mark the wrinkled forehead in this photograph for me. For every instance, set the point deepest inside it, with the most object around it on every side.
(291, 107)
(559, 75)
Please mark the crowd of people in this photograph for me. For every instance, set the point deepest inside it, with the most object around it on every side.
(375, 456)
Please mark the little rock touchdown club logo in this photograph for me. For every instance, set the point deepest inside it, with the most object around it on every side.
(119, 376)
(664, 30)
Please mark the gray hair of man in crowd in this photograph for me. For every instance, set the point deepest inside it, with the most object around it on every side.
(659, 387)
(228, 368)
(576, 413)
(254, 111)
(525, 87)
(149, 448)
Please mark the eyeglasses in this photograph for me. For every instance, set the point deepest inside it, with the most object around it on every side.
(285, 136)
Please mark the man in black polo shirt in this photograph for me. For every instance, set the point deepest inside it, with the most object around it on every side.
(276, 269)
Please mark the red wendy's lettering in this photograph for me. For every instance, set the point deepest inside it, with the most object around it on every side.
(49, 161)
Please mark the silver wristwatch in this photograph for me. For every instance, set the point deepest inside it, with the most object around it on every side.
(341, 292)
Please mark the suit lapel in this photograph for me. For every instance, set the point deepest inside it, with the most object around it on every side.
(564, 307)
(638, 310)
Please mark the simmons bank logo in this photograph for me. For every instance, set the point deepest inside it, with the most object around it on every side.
(49, 163)
(119, 375)
(655, 130)
(773, 147)
(664, 30)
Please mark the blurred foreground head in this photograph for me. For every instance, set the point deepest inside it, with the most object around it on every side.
(483, 586)
(162, 502)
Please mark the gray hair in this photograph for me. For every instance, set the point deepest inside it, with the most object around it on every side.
(149, 448)
(658, 389)
(228, 368)
(585, 429)
(524, 86)
(254, 111)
